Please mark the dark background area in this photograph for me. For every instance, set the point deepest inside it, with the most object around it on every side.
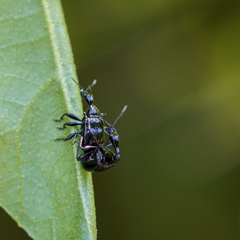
(176, 65)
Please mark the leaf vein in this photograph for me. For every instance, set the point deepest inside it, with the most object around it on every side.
(57, 57)
(9, 178)
(20, 16)
(22, 42)
(65, 204)
(17, 140)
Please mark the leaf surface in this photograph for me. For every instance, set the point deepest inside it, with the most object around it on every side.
(42, 186)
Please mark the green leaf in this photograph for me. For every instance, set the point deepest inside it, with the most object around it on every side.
(42, 186)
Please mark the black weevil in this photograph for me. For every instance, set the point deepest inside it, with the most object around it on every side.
(92, 123)
(98, 158)
(95, 157)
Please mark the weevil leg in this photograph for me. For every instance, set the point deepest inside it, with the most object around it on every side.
(72, 135)
(68, 124)
(70, 115)
(108, 143)
(69, 137)
(83, 156)
(75, 142)
(77, 148)
(59, 139)
(88, 147)
(84, 148)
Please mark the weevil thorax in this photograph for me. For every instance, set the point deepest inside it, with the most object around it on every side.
(92, 111)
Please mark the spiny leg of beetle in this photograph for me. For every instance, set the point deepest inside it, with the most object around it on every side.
(70, 115)
(69, 124)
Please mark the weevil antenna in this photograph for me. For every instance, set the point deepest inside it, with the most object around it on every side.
(93, 83)
(122, 112)
(78, 84)
(107, 123)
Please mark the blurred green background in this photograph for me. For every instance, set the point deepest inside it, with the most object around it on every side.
(177, 66)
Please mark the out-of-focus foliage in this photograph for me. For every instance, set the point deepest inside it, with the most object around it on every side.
(176, 64)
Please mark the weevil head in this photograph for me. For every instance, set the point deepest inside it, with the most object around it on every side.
(88, 97)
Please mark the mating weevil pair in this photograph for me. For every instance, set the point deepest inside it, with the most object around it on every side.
(96, 155)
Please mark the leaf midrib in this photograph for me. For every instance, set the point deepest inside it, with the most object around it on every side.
(60, 74)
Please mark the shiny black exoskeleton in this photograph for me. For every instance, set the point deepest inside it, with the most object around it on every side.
(92, 123)
(95, 157)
